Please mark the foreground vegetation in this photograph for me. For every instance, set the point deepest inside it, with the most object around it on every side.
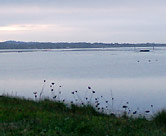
(21, 117)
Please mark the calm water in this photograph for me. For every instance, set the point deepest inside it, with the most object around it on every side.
(131, 76)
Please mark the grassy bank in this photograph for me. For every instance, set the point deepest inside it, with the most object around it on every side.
(20, 117)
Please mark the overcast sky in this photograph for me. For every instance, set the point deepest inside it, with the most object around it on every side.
(122, 21)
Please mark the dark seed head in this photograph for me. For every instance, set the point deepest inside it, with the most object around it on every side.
(89, 87)
(93, 91)
(76, 91)
(134, 112)
(60, 86)
(54, 97)
(44, 80)
(147, 111)
(106, 101)
(86, 98)
(53, 83)
(34, 92)
(124, 106)
(72, 92)
(52, 89)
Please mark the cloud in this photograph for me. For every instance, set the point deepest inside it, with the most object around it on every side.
(88, 20)
(24, 27)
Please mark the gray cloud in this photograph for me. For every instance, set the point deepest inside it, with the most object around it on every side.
(88, 20)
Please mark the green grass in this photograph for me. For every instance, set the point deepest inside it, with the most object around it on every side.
(22, 117)
(160, 118)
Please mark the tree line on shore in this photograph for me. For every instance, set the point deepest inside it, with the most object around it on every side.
(65, 45)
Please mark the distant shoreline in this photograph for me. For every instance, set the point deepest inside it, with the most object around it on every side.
(67, 45)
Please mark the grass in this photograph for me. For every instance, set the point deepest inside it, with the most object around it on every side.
(160, 118)
(22, 117)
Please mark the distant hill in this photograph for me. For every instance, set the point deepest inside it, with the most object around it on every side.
(65, 45)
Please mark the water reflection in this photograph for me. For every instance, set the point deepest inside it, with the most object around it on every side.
(139, 92)
(137, 78)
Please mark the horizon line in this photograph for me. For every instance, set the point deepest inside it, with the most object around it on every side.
(80, 42)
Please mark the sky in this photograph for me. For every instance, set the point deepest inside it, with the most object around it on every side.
(108, 21)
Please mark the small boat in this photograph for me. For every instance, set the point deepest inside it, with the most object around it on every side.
(144, 50)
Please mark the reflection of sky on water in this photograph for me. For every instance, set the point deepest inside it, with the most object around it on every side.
(139, 92)
(132, 76)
